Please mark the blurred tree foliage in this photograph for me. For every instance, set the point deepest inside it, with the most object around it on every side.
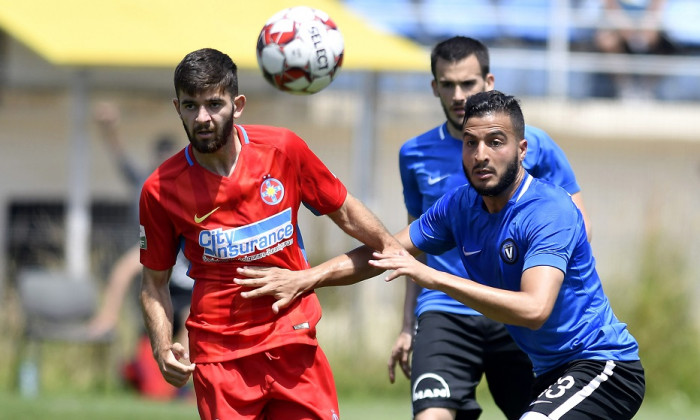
(658, 307)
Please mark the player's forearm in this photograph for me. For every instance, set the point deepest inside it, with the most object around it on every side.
(157, 314)
(412, 290)
(411, 296)
(509, 307)
(158, 323)
(577, 198)
(120, 279)
(354, 266)
(349, 268)
(409, 305)
(359, 222)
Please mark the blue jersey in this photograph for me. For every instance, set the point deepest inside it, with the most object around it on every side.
(539, 226)
(431, 165)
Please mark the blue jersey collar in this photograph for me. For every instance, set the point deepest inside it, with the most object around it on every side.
(524, 186)
(445, 133)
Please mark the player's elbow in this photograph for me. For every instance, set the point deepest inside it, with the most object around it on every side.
(535, 324)
(536, 318)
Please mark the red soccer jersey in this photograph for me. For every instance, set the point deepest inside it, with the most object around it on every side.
(248, 218)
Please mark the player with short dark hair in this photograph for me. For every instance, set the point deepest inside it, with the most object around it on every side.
(452, 344)
(530, 264)
(230, 199)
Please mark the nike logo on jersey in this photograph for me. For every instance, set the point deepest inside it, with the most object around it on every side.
(434, 180)
(469, 253)
(201, 219)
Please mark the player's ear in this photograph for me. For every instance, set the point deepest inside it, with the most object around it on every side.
(434, 85)
(176, 104)
(489, 82)
(238, 105)
(522, 149)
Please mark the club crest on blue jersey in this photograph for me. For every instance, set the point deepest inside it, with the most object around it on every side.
(271, 191)
(509, 251)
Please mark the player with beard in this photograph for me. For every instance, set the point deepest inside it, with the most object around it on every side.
(228, 200)
(449, 340)
(530, 266)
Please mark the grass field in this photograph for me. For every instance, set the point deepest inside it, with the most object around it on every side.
(129, 406)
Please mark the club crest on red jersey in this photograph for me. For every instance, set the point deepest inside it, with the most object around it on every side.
(271, 191)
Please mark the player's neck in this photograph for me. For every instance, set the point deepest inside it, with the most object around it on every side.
(454, 131)
(223, 161)
(496, 203)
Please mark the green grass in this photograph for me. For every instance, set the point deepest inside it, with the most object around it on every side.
(129, 406)
(79, 407)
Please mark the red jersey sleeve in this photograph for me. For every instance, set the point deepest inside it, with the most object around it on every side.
(158, 240)
(322, 192)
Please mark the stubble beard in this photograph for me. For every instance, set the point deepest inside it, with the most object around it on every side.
(503, 184)
(215, 143)
(457, 125)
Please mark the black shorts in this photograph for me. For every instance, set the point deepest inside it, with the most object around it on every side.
(450, 355)
(589, 389)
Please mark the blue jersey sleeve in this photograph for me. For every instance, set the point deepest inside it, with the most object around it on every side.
(411, 192)
(553, 229)
(432, 232)
(545, 160)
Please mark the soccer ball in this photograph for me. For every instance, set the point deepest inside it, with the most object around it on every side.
(300, 50)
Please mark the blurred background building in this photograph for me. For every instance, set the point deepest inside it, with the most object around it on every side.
(632, 145)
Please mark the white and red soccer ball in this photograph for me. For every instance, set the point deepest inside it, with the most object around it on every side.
(300, 50)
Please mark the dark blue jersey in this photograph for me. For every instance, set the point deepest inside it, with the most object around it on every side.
(431, 164)
(539, 226)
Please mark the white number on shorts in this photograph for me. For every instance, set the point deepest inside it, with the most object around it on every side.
(558, 389)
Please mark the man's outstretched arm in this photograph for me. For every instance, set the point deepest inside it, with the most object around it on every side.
(349, 268)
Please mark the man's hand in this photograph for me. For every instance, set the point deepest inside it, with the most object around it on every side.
(404, 264)
(282, 284)
(400, 354)
(100, 325)
(107, 115)
(173, 370)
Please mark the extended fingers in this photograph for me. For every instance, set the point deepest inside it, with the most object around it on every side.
(393, 360)
(388, 263)
(259, 290)
(253, 272)
(251, 277)
(392, 258)
(406, 369)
